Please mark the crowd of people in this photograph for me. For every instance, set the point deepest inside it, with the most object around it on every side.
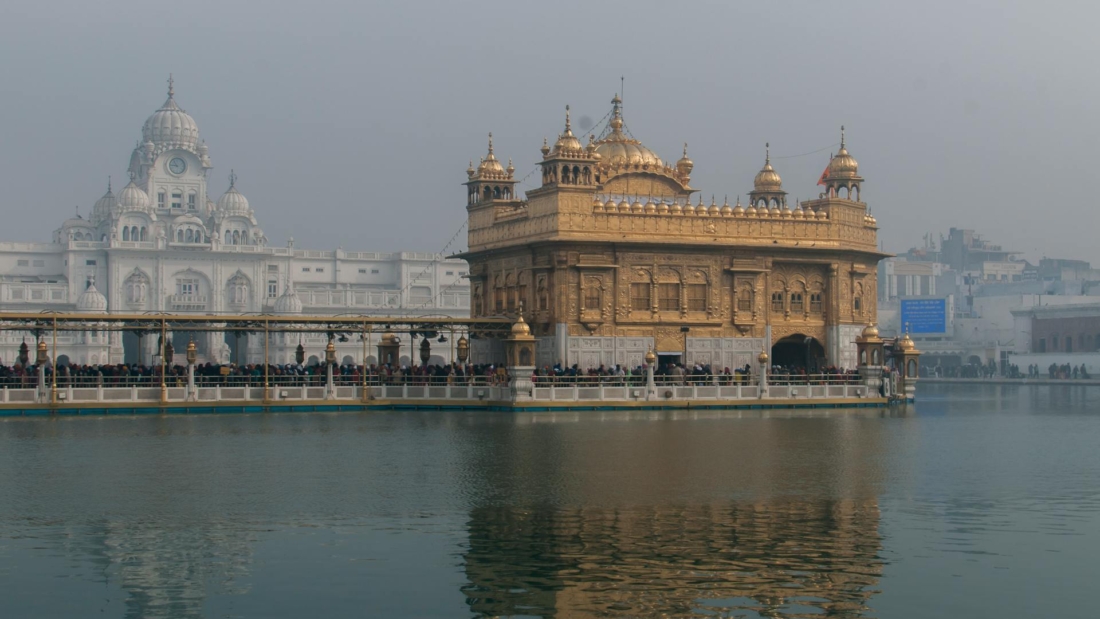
(255, 374)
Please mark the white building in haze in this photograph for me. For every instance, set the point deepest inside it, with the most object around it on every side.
(163, 244)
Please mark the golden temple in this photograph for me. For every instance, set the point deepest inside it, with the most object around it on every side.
(611, 258)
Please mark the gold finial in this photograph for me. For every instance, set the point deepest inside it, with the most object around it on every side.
(232, 179)
(767, 153)
(685, 150)
(171, 89)
(568, 126)
(490, 142)
(842, 136)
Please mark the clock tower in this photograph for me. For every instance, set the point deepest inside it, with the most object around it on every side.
(171, 163)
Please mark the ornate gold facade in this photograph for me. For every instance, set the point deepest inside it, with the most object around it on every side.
(611, 246)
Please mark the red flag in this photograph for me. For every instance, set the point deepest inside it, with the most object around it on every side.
(821, 181)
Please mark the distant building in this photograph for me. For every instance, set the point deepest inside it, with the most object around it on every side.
(163, 244)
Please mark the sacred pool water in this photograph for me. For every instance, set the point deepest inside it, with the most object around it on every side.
(977, 501)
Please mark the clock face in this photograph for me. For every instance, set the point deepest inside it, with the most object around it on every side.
(177, 165)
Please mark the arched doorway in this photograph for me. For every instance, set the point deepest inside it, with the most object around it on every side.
(799, 351)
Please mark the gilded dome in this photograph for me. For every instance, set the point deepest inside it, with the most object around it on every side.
(132, 198)
(906, 343)
(617, 148)
(870, 332)
(843, 165)
(767, 178)
(520, 328)
(170, 126)
(233, 201)
(685, 165)
(567, 143)
(490, 165)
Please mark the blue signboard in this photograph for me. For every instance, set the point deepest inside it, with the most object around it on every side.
(924, 315)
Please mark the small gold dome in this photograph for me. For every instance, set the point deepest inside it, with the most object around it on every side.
(821, 214)
(786, 213)
(662, 208)
(650, 358)
(843, 165)
(762, 358)
(738, 210)
(685, 165)
(520, 327)
(726, 210)
(650, 207)
(636, 206)
(870, 331)
(676, 209)
(624, 206)
(751, 211)
(489, 165)
(906, 343)
(799, 213)
(689, 208)
(767, 178)
(389, 339)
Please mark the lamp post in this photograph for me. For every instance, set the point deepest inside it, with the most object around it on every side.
(650, 383)
(40, 359)
(762, 359)
(425, 351)
(192, 356)
(462, 349)
(330, 361)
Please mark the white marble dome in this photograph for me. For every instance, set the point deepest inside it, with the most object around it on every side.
(91, 301)
(233, 201)
(171, 127)
(103, 206)
(132, 198)
(288, 303)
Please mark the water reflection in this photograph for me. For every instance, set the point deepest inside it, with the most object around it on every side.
(769, 559)
(639, 515)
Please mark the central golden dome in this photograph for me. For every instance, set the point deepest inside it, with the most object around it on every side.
(617, 148)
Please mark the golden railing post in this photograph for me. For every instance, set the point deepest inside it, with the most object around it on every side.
(363, 336)
(53, 388)
(163, 361)
(267, 336)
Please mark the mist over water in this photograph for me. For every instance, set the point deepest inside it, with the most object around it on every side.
(979, 501)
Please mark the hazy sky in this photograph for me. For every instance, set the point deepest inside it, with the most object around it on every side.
(351, 124)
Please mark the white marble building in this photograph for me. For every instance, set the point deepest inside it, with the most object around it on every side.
(163, 244)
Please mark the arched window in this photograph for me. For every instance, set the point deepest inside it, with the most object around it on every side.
(189, 237)
(125, 234)
(143, 233)
(1054, 341)
(1069, 343)
(160, 199)
(133, 233)
(744, 300)
(816, 305)
(796, 302)
(697, 297)
(592, 297)
(668, 297)
(177, 199)
(1042, 344)
(191, 201)
(777, 302)
(179, 236)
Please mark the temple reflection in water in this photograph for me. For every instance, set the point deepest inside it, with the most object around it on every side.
(778, 559)
(755, 519)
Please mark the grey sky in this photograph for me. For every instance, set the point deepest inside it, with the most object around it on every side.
(351, 124)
